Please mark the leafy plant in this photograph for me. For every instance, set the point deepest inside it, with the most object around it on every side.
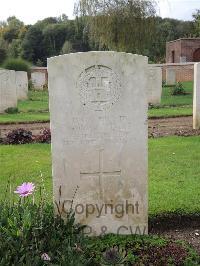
(178, 89)
(44, 137)
(3, 55)
(19, 136)
(32, 235)
(17, 64)
(30, 84)
(12, 110)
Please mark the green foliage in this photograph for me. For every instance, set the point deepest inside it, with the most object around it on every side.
(3, 55)
(28, 231)
(33, 45)
(137, 250)
(19, 136)
(12, 110)
(135, 19)
(67, 48)
(14, 48)
(196, 17)
(178, 89)
(17, 65)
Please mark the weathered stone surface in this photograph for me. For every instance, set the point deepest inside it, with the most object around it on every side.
(8, 94)
(38, 80)
(170, 76)
(196, 97)
(22, 85)
(155, 85)
(98, 106)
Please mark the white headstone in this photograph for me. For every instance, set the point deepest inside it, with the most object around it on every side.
(38, 80)
(22, 85)
(170, 76)
(8, 94)
(155, 85)
(98, 107)
(196, 97)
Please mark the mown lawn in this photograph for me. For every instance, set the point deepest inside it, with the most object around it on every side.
(38, 101)
(181, 100)
(174, 171)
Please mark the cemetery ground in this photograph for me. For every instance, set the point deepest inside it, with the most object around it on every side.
(174, 187)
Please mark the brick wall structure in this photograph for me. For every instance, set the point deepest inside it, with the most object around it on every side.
(184, 71)
(183, 50)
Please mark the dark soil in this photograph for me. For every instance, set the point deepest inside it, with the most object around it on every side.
(178, 227)
(179, 126)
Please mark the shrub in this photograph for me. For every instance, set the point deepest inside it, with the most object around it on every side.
(17, 65)
(19, 136)
(178, 89)
(12, 110)
(44, 137)
(3, 55)
(30, 85)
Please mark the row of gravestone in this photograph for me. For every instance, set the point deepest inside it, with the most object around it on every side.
(13, 87)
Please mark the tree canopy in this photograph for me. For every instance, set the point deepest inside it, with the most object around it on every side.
(121, 25)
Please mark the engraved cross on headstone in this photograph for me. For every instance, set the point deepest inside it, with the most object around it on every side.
(100, 173)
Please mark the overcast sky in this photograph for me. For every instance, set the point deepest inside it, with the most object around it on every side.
(30, 11)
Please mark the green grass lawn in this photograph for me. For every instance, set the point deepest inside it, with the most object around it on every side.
(181, 100)
(170, 112)
(36, 108)
(174, 173)
(173, 106)
(38, 101)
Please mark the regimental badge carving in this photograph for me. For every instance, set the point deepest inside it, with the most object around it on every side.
(99, 87)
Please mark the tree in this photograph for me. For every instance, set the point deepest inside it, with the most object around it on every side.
(121, 25)
(196, 17)
(32, 45)
(3, 55)
(67, 48)
(12, 29)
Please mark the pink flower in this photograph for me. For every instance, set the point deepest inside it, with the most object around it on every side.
(25, 189)
(45, 257)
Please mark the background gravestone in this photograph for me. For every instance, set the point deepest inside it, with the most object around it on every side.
(38, 80)
(196, 96)
(98, 107)
(155, 85)
(170, 76)
(22, 85)
(8, 94)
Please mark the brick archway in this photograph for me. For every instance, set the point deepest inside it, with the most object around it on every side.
(196, 55)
